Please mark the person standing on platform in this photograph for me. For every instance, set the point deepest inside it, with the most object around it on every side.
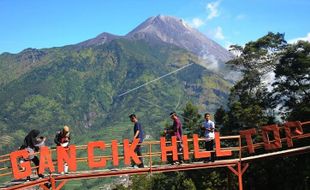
(32, 144)
(209, 127)
(177, 130)
(62, 138)
(138, 133)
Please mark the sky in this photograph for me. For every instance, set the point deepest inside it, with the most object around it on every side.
(44, 24)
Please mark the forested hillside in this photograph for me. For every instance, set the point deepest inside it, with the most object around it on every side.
(81, 88)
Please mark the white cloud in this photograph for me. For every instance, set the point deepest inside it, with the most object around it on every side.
(212, 9)
(196, 22)
(210, 62)
(306, 38)
(240, 17)
(218, 33)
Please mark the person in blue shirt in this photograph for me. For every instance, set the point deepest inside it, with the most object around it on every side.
(208, 128)
(138, 133)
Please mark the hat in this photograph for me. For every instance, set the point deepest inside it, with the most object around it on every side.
(66, 128)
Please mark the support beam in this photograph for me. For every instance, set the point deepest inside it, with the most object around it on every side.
(244, 168)
(239, 172)
(53, 183)
(44, 187)
(61, 184)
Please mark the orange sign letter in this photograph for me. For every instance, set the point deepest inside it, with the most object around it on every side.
(165, 149)
(185, 148)
(45, 160)
(198, 154)
(129, 151)
(16, 172)
(271, 145)
(218, 150)
(91, 160)
(296, 125)
(248, 137)
(63, 157)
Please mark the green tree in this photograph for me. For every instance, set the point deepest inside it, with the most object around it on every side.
(259, 55)
(172, 180)
(249, 101)
(292, 83)
(219, 116)
(192, 119)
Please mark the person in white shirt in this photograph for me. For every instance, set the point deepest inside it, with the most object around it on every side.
(208, 127)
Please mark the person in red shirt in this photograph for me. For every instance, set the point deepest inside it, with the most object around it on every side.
(177, 130)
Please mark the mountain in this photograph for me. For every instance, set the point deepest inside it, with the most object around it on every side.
(82, 88)
(174, 31)
(93, 86)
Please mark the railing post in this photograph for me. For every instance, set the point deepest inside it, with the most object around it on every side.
(240, 149)
(240, 176)
(150, 154)
(239, 165)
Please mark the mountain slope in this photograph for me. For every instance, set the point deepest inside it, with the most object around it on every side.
(82, 85)
(12, 66)
(82, 88)
(175, 31)
(99, 40)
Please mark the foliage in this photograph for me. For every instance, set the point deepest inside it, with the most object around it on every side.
(249, 99)
(192, 120)
(170, 180)
(45, 89)
(260, 54)
(292, 85)
(219, 116)
(252, 104)
(80, 87)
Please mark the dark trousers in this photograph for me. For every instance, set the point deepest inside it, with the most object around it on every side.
(36, 162)
(139, 153)
(209, 147)
(180, 153)
(169, 155)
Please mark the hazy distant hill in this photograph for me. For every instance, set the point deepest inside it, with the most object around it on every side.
(80, 85)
